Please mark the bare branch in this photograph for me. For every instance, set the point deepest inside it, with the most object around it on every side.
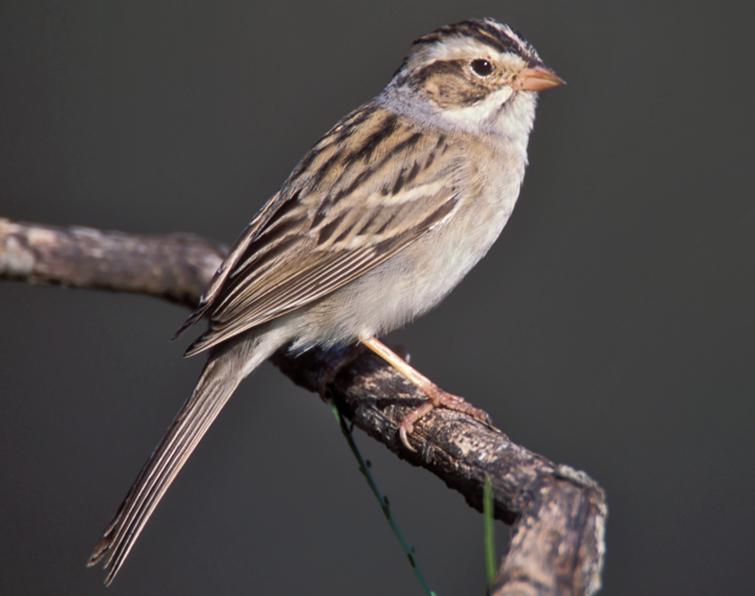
(558, 514)
(175, 267)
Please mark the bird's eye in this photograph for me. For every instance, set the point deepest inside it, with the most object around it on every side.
(482, 67)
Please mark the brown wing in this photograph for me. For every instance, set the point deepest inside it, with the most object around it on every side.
(367, 190)
(239, 248)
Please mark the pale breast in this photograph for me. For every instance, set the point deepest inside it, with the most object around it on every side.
(419, 277)
(447, 254)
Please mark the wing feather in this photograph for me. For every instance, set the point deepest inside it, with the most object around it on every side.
(382, 191)
(249, 233)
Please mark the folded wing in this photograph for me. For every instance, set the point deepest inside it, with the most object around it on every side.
(371, 187)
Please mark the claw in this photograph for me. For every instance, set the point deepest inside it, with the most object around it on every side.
(436, 396)
(438, 399)
(402, 433)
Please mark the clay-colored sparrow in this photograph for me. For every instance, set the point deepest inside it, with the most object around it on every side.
(378, 222)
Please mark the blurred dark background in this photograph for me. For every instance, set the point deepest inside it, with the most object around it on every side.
(611, 328)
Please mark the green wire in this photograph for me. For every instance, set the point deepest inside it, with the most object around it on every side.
(489, 534)
(364, 468)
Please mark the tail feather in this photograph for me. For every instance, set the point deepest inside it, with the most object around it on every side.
(221, 376)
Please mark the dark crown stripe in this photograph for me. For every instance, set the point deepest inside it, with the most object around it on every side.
(492, 35)
(482, 31)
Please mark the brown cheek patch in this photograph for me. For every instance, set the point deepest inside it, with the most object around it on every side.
(449, 84)
(456, 93)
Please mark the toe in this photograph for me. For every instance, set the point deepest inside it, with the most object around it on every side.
(403, 435)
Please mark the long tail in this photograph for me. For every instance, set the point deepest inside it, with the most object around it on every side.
(225, 369)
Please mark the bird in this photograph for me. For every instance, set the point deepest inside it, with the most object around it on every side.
(375, 225)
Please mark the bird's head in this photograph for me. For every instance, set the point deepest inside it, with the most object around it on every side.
(474, 75)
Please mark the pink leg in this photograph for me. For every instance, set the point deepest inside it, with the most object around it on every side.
(437, 396)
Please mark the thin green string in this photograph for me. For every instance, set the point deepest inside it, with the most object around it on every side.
(364, 468)
(488, 531)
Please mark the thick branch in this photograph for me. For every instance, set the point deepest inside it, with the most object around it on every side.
(557, 513)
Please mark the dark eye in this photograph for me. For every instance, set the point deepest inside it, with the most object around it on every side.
(482, 67)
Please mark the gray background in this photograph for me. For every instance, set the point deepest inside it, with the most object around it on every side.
(611, 327)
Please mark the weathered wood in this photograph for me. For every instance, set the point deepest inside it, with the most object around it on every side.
(175, 267)
(558, 514)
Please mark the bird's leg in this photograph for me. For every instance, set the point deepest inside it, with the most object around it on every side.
(437, 396)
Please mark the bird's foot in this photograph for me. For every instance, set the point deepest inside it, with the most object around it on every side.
(438, 399)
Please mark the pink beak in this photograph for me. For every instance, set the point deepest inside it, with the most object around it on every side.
(537, 78)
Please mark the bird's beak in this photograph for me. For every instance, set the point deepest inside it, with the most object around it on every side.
(536, 78)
